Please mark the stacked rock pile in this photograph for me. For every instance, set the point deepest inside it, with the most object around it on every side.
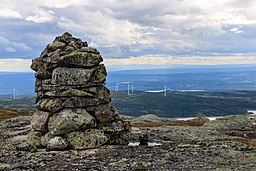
(73, 105)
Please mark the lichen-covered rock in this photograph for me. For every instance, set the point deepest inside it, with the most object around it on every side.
(90, 138)
(39, 121)
(80, 59)
(46, 138)
(34, 138)
(115, 126)
(76, 102)
(56, 45)
(43, 74)
(71, 76)
(69, 120)
(105, 113)
(57, 143)
(99, 76)
(99, 92)
(50, 105)
(68, 93)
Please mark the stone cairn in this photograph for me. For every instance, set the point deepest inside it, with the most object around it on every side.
(73, 105)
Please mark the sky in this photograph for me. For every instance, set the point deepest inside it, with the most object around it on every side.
(132, 34)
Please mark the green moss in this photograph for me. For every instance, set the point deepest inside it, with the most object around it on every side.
(81, 54)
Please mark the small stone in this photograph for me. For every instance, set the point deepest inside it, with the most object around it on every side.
(39, 120)
(45, 51)
(89, 49)
(57, 143)
(104, 113)
(46, 138)
(56, 45)
(34, 138)
(143, 139)
(24, 147)
(114, 126)
(43, 74)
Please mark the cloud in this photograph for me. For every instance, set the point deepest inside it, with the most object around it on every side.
(236, 30)
(42, 16)
(15, 65)
(181, 60)
(121, 29)
(9, 13)
(4, 42)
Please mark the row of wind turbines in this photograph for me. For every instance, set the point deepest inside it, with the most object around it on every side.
(130, 88)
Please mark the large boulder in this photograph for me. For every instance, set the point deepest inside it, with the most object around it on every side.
(69, 120)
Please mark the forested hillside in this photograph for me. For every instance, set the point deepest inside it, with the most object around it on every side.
(175, 104)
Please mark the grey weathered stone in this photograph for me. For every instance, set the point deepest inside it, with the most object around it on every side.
(71, 76)
(99, 92)
(75, 93)
(34, 138)
(39, 120)
(68, 93)
(50, 105)
(114, 126)
(104, 113)
(69, 120)
(57, 143)
(89, 49)
(90, 138)
(74, 102)
(56, 45)
(43, 74)
(80, 59)
(99, 76)
(46, 138)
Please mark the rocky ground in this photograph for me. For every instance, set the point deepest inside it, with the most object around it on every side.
(225, 144)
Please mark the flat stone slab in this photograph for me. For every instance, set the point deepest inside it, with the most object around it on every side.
(90, 138)
(71, 76)
(80, 59)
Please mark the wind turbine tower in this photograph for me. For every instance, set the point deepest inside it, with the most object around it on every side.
(128, 91)
(14, 93)
(165, 90)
